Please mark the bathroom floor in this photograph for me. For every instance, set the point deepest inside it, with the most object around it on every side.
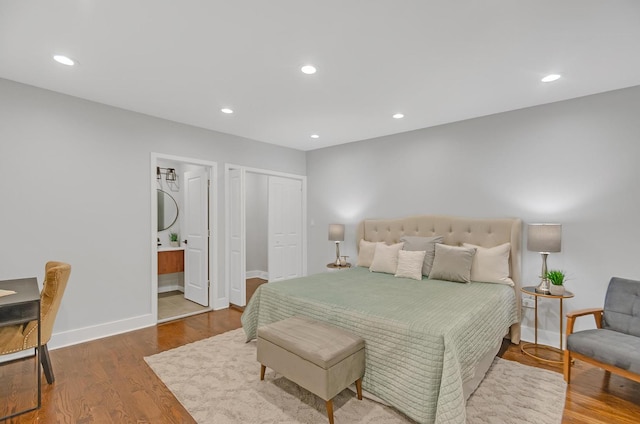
(172, 304)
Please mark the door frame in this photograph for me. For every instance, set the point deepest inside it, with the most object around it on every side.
(267, 172)
(213, 227)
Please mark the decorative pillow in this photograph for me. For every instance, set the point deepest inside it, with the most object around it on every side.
(491, 265)
(426, 244)
(410, 264)
(452, 263)
(365, 254)
(385, 258)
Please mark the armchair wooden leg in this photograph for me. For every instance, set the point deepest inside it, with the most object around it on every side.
(262, 370)
(359, 388)
(330, 410)
(567, 366)
(46, 364)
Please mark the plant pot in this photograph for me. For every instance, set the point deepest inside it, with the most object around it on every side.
(556, 290)
(174, 243)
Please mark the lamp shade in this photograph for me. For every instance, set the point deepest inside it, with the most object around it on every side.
(336, 232)
(544, 238)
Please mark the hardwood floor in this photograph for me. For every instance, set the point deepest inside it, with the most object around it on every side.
(590, 399)
(107, 380)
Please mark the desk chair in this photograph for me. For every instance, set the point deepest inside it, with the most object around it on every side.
(22, 337)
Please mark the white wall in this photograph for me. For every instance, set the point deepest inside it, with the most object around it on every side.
(76, 189)
(257, 217)
(573, 162)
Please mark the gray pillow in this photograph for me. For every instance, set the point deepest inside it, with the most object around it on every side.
(426, 244)
(452, 263)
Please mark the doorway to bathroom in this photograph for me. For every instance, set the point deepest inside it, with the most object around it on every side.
(183, 250)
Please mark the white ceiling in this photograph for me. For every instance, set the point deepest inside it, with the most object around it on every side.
(435, 61)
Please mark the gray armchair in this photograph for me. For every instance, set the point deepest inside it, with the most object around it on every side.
(615, 344)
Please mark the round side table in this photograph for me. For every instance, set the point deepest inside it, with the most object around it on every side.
(531, 349)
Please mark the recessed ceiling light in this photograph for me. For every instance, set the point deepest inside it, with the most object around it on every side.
(398, 116)
(308, 69)
(226, 110)
(315, 136)
(64, 60)
(551, 78)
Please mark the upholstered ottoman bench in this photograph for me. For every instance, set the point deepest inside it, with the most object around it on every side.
(319, 357)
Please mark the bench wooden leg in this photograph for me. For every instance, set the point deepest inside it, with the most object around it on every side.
(262, 370)
(359, 388)
(330, 410)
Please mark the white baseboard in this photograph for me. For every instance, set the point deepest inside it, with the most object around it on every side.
(81, 335)
(264, 275)
(18, 355)
(166, 289)
(221, 303)
(545, 337)
(86, 334)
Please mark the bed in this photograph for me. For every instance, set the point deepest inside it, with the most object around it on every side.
(428, 342)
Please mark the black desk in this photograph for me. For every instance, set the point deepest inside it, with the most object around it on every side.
(20, 308)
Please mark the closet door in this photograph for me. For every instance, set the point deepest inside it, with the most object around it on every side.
(236, 227)
(285, 228)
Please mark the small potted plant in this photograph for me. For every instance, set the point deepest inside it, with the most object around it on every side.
(173, 239)
(557, 278)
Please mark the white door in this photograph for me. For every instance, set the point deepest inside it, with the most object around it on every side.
(236, 228)
(196, 233)
(285, 228)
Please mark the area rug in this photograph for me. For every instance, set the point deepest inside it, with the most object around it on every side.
(218, 381)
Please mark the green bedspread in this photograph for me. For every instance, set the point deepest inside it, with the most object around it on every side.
(423, 338)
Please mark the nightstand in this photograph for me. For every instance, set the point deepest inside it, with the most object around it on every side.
(334, 267)
(527, 348)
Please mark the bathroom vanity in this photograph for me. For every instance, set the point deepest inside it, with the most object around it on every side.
(170, 260)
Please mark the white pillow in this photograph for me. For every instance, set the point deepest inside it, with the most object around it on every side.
(365, 254)
(491, 265)
(428, 244)
(410, 264)
(385, 258)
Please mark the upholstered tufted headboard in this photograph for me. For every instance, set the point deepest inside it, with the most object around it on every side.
(455, 230)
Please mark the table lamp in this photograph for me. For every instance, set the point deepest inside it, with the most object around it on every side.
(544, 239)
(336, 233)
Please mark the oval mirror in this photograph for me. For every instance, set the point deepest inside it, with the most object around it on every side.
(167, 210)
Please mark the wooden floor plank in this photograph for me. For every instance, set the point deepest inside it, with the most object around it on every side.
(107, 380)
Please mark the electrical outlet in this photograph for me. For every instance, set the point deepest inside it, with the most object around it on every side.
(528, 302)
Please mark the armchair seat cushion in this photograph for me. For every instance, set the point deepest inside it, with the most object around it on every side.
(607, 346)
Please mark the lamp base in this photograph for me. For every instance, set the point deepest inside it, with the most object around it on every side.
(543, 287)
